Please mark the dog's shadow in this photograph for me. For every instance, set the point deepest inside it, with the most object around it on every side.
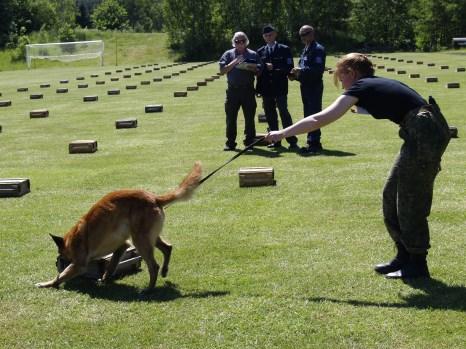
(435, 295)
(126, 293)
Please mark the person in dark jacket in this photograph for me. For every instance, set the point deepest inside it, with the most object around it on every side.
(272, 84)
(309, 73)
(407, 195)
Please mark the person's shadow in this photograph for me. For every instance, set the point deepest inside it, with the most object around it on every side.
(436, 295)
(275, 153)
(125, 293)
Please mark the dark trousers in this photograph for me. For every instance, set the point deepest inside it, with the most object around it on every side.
(245, 98)
(312, 103)
(407, 195)
(270, 105)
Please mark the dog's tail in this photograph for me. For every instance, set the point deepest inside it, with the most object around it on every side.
(185, 189)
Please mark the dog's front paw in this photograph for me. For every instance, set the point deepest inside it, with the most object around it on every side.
(46, 284)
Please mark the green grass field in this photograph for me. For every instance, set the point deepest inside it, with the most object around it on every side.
(288, 266)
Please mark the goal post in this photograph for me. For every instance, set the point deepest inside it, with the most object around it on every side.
(66, 51)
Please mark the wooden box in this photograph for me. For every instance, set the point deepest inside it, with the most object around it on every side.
(431, 79)
(137, 73)
(201, 83)
(460, 69)
(22, 89)
(82, 146)
(100, 82)
(44, 85)
(39, 113)
(94, 75)
(64, 81)
(114, 79)
(90, 98)
(36, 96)
(131, 87)
(154, 108)
(180, 94)
(157, 79)
(453, 132)
(453, 85)
(126, 123)
(5, 103)
(129, 263)
(62, 90)
(80, 78)
(113, 92)
(145, 82)
(83, 85)
(256, 176)
(192, 88)
(14, 187)
(414, 76)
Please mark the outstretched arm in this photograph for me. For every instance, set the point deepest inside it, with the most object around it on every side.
(315, 121)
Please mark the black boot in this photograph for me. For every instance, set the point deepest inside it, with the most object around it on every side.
(416, 267)
(402, 257)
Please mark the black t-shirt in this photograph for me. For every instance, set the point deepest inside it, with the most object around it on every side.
(385, 98)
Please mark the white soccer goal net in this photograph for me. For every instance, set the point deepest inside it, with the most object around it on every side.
(66, 51)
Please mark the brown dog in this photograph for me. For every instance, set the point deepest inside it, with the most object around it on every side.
(112, 221)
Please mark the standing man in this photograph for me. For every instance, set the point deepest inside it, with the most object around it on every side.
(309, 74)
(241, 65)
(272, 84)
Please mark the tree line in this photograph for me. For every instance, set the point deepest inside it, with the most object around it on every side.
(202, 29)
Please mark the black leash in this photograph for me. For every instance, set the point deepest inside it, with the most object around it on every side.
(233, 158)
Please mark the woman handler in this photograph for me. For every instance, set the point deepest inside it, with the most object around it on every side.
(407, 195)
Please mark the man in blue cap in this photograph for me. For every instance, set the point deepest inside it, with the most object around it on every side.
(272, 84)
(309, 73)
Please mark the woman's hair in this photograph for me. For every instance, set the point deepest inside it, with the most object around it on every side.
(356, 62)
(239, 35)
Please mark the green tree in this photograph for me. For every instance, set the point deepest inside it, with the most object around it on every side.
(437, 22)
(383, 24)
(190, 27)
(144, 15)
(110, 15)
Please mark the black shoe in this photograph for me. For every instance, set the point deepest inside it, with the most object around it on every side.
(415, 268)
(401, 258)
(312, 149)
(229, 148)
(274, 145)
(293, 147)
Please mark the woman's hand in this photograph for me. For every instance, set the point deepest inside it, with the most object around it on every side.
(274, 136)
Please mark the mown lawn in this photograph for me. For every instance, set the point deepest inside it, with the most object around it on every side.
(288, 266)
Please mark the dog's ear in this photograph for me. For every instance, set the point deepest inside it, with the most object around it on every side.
(58, 241)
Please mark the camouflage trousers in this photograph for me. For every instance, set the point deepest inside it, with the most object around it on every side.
(407, 195)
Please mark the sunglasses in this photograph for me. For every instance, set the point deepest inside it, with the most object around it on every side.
(240, 41)
(304, 34)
